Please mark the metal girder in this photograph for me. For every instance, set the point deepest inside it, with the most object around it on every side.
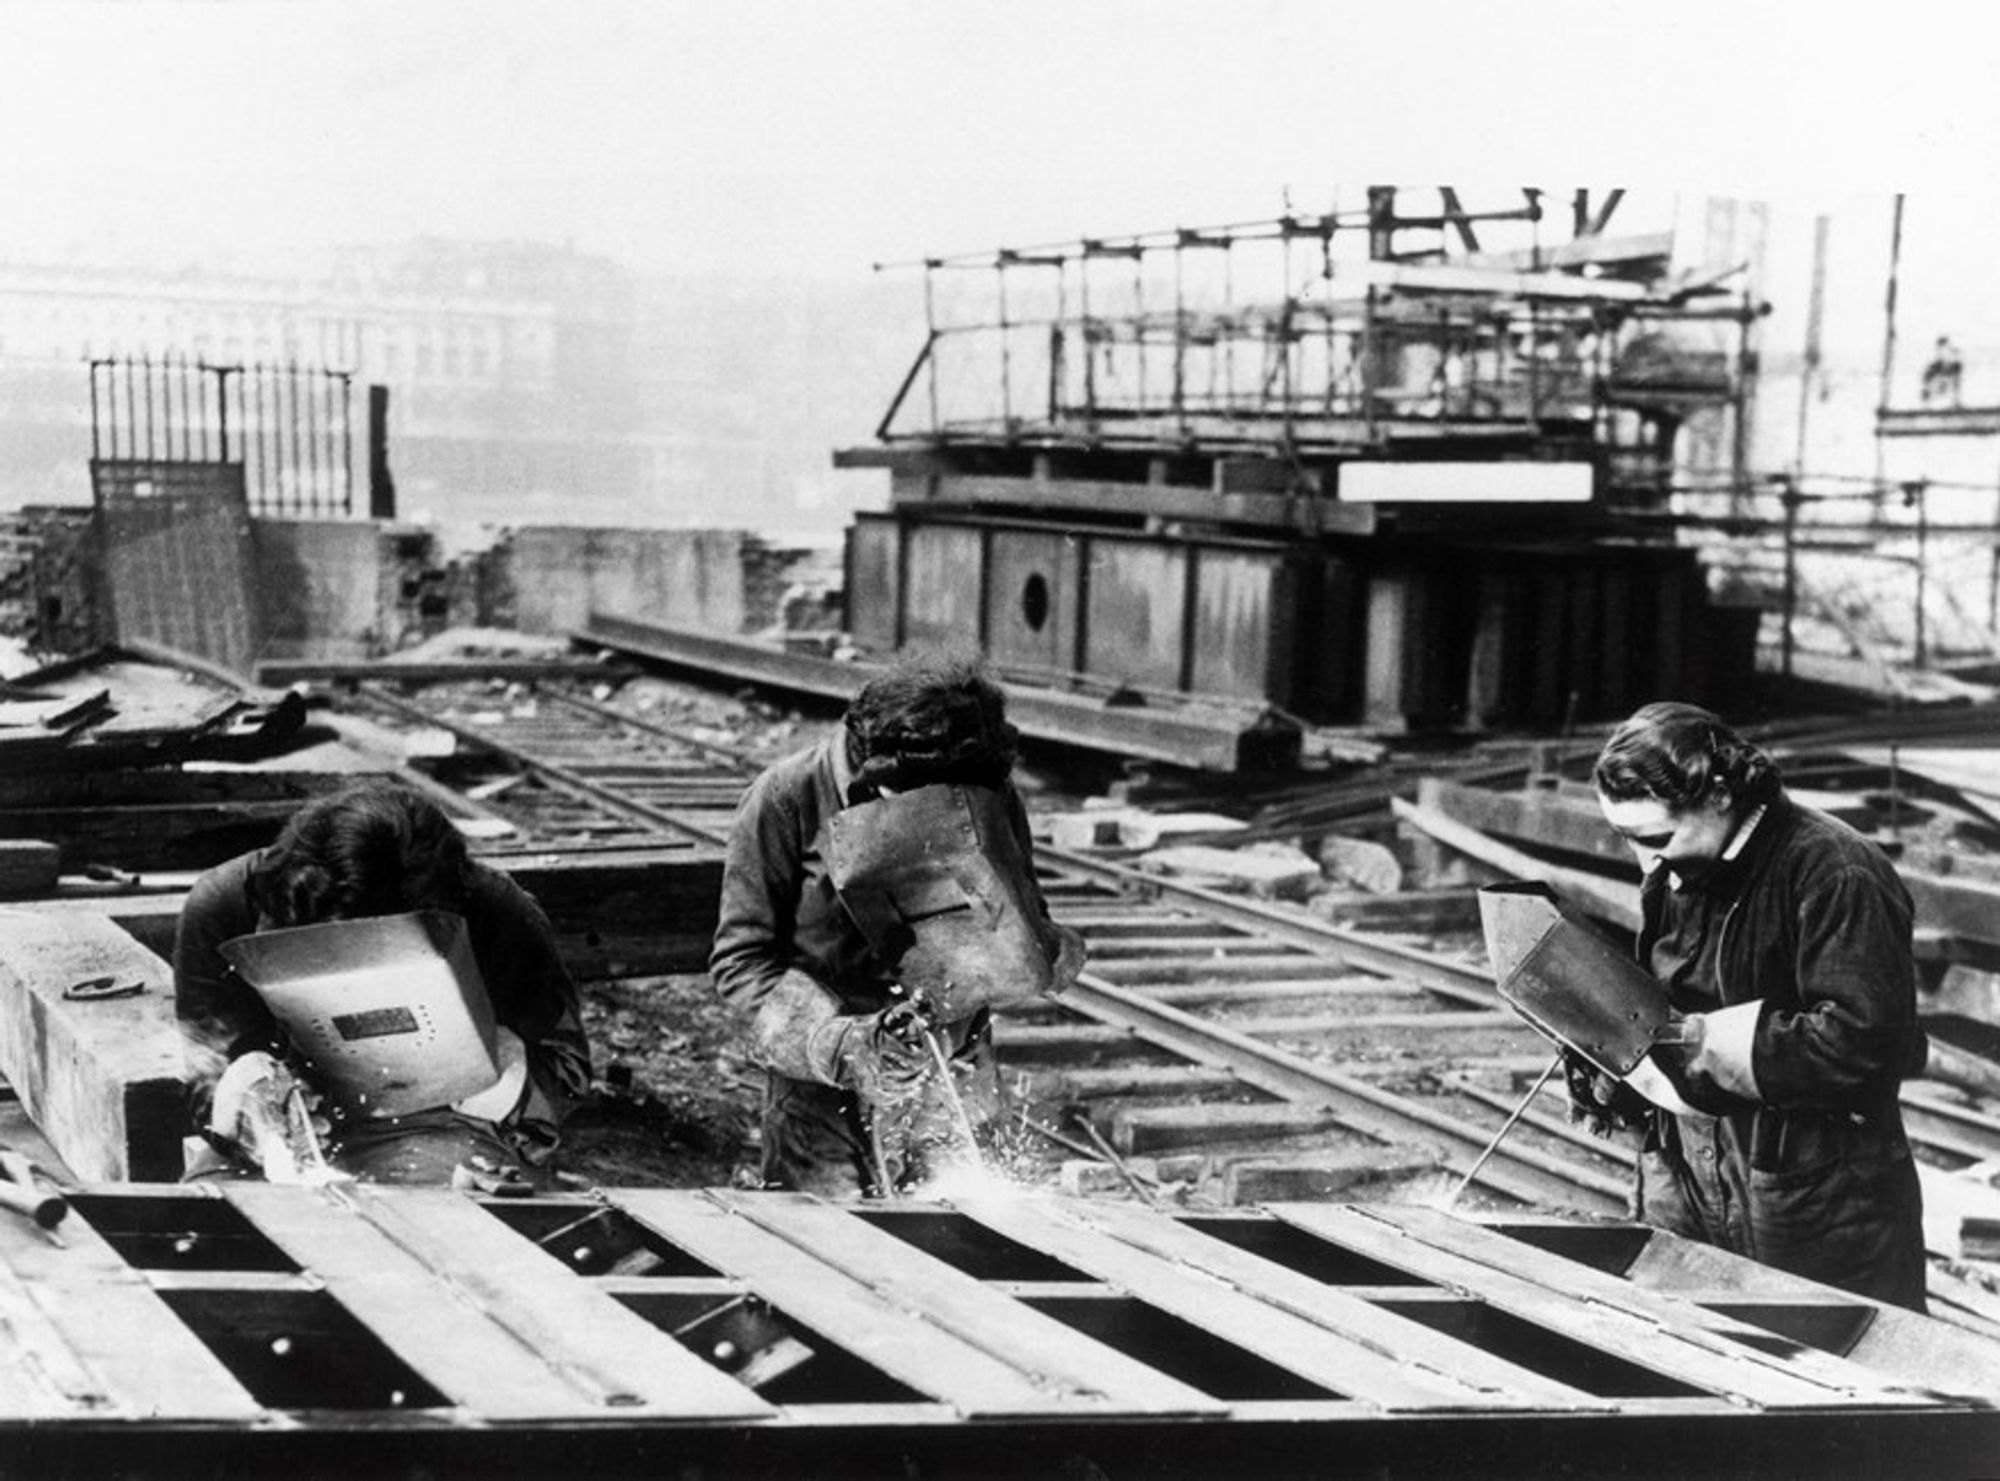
(1209, 737)
(1937, 421)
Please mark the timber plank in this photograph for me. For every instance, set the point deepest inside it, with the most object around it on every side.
(486, 1317)
(102, 1080)
(146, 838)
(1064, 1359)
(166, 786)
(90, 1338)
(1676, 1338)
(1334, 1360)
(1391, 1337)
(887, 1332)
(28, 865)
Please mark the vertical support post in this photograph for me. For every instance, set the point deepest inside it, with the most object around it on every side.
(1006, 349)
(1809, 365)
(1139, 324)
(261, 374)
(347, 442)
(1288, 302)
(983, 616)
(292, 419)
(381, 486)
(1993, 573)
(1888, 338)
(1190, 614)
(182, 375)
(1381, 248)
(222, 412)
(1085, 547)
(131, 412)
(930, 341)
(1058, 343)
(902, 622)
(1180, 336)
(316, 501)
(1089, 336)
(1917, 493)
(1789, 492)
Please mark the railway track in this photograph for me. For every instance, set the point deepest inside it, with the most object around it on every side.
(1217, 1049)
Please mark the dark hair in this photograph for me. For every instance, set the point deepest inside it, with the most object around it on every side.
(1679, 754)
(373, 848)
(934, 717)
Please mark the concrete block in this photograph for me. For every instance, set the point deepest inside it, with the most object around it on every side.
(1081, 1178)
(102, 1079)
(1265, 871)
(1361, 864)
(28, 866)
(1152, 1128)
(1344, 1174)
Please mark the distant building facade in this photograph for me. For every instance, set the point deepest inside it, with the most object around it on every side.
(526, 384)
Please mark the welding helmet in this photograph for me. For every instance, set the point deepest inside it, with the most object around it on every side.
(943, 889)
(389, 1014)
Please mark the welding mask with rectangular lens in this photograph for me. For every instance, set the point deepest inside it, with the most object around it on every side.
(940, 885)
(389, 1013)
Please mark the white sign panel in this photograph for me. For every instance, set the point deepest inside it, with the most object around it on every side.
(1464, 483)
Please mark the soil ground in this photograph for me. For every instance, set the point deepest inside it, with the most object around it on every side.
(677, 1102)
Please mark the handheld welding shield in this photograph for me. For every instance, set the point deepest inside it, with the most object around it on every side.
(938, 882)
(1569, 981)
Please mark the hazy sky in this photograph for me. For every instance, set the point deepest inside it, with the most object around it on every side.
(818, 136)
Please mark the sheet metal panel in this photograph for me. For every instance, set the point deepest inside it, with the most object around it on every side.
(179, 561)
(1135, 610)
(1243, 633)
(1031, 599)
(874, 581)
(942, 567)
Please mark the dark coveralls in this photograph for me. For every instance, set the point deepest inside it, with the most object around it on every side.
(1814, 1176)
(786, 951)
(531, 991)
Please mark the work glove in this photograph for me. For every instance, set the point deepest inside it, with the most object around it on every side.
(885, 1058)
(1685, 1053)
(1069, 961)
(261, 1114)
(1600, 1101)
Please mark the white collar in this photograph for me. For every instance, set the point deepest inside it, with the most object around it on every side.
(1740, 839)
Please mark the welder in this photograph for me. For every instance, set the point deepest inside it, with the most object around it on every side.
(374, 849)
(1784, 940)
(878, 899)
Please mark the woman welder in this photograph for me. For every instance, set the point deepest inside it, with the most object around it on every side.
(376, 848)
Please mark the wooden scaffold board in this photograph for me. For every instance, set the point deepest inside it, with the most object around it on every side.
(251, 1328)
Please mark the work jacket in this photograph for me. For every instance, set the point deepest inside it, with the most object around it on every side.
(511, 941)
(1805, 1165)
(786, 951)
